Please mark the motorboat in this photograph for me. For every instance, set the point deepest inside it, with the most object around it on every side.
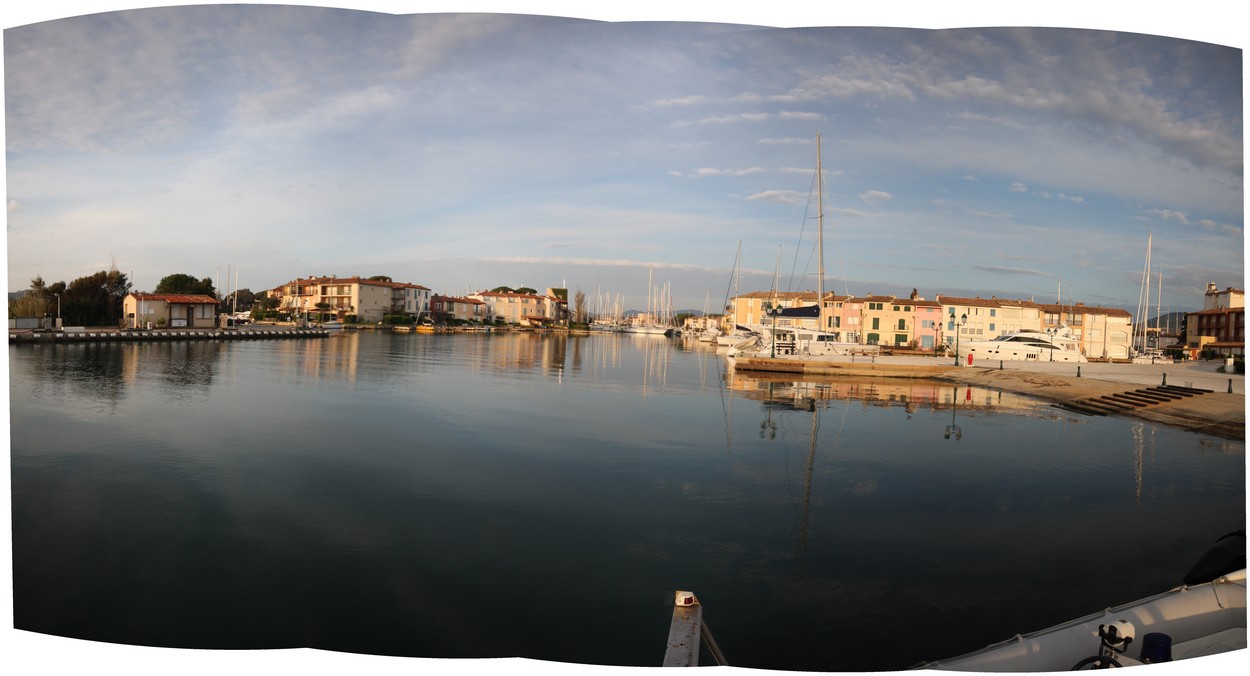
(1204, 616)
(1027, 345)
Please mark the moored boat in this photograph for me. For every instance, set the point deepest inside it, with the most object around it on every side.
(1027, 345)
(1204, 616)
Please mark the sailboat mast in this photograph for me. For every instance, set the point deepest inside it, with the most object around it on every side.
(820, 237)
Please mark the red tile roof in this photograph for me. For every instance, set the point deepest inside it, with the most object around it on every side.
(178, 298)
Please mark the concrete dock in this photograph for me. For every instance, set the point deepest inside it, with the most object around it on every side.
(89, 335)
(1220, 410)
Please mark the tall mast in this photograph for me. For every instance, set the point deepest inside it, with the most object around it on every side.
(820, 238)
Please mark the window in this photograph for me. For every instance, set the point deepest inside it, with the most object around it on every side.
(896, 308)
(991, 326)
(902, 325)
(876, 323)
(906, 308)
(993, 312)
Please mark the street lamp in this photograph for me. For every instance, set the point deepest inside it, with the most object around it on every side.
(58, 310)
(963, 319)
(1051, 333)
(774, 312)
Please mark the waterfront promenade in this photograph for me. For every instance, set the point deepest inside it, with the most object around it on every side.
(1221, 411)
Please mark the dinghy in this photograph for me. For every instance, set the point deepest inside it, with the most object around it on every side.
(1204, 616)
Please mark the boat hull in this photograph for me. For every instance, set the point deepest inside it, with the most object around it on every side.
(1200, 620)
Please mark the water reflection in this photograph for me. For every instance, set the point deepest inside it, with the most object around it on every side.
(104, 373)
(372, 492)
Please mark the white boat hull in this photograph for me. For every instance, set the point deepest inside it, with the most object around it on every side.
(1204, 619)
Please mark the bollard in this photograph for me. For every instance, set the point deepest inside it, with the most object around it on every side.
(1230, 385)
(1165, 379)
(1078, 372)
(1000, 365)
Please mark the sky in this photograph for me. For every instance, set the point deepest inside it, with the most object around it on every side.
(466, 151)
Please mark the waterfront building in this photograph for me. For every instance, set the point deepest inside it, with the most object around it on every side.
(367, 300)
(410, 299)
(927, 320)
(841, 316)
(1229, 298)
(982, 323)
(1221, 325)
(883, 320)
(452, 309)
(752, 309)
(524, 309)
(169, 310)
(1103, 333)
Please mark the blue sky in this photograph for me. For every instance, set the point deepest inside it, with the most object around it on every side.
(468, 151)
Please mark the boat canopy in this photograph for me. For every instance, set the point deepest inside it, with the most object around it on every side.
(805, 311)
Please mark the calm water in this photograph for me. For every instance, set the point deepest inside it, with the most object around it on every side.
(542, 497)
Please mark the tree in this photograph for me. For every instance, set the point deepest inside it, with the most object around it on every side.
(380, 278)
(579, 307)
(182, 283)
(526, 290)
(95, 300)
(241, 299)
(27, 304)
(502, 289)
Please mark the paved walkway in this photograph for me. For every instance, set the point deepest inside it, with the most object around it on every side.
(1221, 412)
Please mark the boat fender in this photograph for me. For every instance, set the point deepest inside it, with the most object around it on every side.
(1228, 554)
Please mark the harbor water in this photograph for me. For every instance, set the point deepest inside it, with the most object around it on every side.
(543, 495)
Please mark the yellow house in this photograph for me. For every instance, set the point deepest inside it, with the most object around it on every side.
(751, 309)
(169, 311)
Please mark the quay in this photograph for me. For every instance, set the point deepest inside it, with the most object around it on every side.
(1219, 407)
(28, 336)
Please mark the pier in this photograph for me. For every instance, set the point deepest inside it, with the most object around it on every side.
(155, 335)
(1091, 388)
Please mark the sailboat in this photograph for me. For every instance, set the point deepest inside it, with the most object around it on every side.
(1143, 352)
(651, 325)
(792, 334)
(737, 335)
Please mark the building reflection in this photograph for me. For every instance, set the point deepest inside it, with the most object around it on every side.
(911, 394)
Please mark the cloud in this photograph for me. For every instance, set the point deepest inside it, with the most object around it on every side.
(1003, 270)
(1018, 187)
(779, 197)
(875, 196)
(708, 171)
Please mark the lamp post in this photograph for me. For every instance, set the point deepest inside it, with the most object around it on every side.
(1051, 333)
(773, 351)
(963, 319)
(58, 310)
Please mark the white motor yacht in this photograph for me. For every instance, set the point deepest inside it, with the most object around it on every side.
(1025, 346)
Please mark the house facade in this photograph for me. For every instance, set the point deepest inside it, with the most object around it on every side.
(751, 309)
(368, 300)
(523, 309)
(169, 310)
(456, 309)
